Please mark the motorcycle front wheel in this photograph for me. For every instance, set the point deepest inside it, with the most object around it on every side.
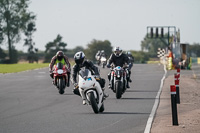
(102, 108)
(60, 86)
(118, 88)
(93, 102)
(104, 65)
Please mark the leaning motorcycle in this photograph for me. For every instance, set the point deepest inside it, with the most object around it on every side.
(90, 90)
(118, 81)
(60, 77)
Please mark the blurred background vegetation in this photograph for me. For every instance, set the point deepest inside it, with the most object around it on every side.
(18, 21)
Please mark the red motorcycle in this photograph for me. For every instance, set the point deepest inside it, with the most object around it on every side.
(60, 77)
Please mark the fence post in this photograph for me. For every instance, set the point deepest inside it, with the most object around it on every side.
(174, 105)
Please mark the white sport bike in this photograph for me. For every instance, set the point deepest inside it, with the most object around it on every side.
(103, 61)
(90, 90)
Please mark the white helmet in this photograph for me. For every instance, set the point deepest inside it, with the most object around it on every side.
(128, 53)
(117, 51)
(79, 57)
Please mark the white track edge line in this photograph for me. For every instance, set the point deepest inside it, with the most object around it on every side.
(155, 106)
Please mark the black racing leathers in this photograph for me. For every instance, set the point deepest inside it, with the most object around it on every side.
(88, 65)
(131, 58)
(118, 61)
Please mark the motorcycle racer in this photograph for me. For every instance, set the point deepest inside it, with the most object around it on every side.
(118, 58)
(60, 57)
(131, 60)
(80, 62)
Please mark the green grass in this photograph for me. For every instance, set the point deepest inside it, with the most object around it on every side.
(153, 62)
(12, 68)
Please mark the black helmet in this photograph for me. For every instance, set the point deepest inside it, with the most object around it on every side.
(79, 57)
(60, 55)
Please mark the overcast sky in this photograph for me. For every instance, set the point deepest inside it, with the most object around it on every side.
(122, 22)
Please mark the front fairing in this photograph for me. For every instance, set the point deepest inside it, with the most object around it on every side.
(118, 73)
(87, 83)
(59, 70)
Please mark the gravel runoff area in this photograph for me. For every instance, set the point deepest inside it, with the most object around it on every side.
(188, 109)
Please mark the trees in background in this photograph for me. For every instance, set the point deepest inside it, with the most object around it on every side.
(53, 47)
(151, 45)
(95, 45)
(140, 56)
(14, 16)
(71, 52)
(30, 29)
(1, 33)
(2, 54)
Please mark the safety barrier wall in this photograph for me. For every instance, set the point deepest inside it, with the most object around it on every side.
(195, 60)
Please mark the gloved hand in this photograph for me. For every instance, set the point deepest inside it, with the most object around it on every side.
(97, 76)
(108, 65)
(68, 69)
(76, 85)
(130, 66)
(50, 71)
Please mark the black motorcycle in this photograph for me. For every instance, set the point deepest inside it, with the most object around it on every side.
(118, 81)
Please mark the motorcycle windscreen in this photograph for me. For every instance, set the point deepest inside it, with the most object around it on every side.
(59, 65)
(84, 73)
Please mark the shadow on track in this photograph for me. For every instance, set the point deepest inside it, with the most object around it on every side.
(68, 94)
(138, 98)
(129, 113)
(140, 91)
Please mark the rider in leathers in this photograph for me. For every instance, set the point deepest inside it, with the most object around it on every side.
(131, 61)
(80, 62)
(60, 57)
(118, 59)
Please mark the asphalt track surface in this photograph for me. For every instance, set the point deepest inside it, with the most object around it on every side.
(29, 103)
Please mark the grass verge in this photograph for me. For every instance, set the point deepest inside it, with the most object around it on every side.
(153, 62)
(12, 68)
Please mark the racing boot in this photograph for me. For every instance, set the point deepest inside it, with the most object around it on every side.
(53, 83)
(105, 95)
(127, 85)
(76, 91)
(109, 86)
(84, 102)
(68, 82)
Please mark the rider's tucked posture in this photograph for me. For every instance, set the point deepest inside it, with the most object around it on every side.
(80, 62)
(118, 59)
(60, 58)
